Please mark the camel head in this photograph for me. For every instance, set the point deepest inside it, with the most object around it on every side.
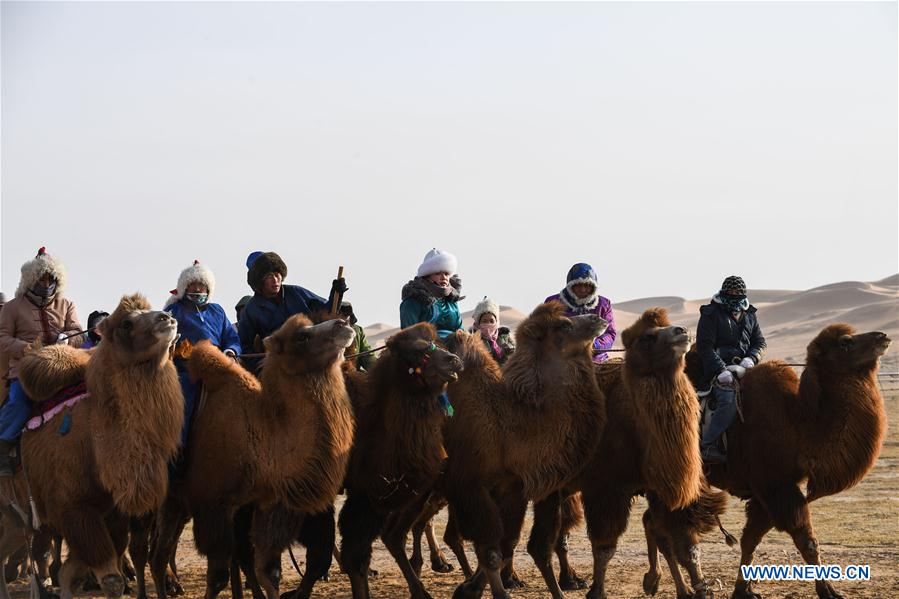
(134, 334)
(300, 346)
(653, 344)
(839, 349)
(418, 353)
(548, 332)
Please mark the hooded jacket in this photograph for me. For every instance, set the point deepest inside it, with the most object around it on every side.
(720, 339)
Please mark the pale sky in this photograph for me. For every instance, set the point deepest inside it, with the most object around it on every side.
(667, 144)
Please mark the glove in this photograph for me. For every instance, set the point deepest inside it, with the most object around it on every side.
(62, 339)
(726, 378)
(339, 285)
(747, 363)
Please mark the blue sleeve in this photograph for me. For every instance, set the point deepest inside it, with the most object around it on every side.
(607, 339)
(228, 338)
(706, 340)
(247, 332)
(410, 313)
(313, 300)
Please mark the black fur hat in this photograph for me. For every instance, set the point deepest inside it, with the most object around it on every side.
(264, 264)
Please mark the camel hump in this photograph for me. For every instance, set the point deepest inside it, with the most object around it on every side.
(208, 364)
(44, 373)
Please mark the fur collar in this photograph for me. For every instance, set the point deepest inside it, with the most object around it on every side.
(426, 292)
(573, 302)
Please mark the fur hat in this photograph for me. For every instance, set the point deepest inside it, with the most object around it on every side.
(262, 265)
(195, 273)
(35, 268)
(486, 306)
(437, 261)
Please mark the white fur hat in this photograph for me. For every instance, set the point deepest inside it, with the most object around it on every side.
(35, 268)
(437, 261)
(486, 306)
(196, 273)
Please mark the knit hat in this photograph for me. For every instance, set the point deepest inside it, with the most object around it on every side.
(195, 273)
(263, 264)
(37, 267)
(436, 261)
(485, 306)
(733, 283)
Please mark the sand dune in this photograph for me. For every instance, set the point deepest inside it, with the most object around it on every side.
(789, 318)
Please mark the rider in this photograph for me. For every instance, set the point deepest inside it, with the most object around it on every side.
(728, 333)
(581, 296)
(38, 312)
(433, 295)
(198, 319)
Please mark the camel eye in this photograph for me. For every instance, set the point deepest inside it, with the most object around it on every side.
(845, 342)
(302, 338)
(127, 325)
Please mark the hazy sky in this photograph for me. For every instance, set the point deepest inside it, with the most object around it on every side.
(667, 144)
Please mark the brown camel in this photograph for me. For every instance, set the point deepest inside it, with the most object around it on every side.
(519, 434)
(284, 439)
(825, 428)
(650, 445)
(111, 461)
(398, 451)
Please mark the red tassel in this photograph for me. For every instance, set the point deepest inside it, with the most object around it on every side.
(42, 251)
(174, 292)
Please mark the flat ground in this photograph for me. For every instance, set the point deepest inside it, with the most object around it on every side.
(860, 526)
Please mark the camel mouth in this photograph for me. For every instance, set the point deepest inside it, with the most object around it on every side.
(883, 345)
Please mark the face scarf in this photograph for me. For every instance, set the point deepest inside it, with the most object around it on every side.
(490, 332)
(734, 303)
(41, 295)
(198, 298)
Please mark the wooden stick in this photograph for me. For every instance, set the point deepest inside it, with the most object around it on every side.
(335, 303)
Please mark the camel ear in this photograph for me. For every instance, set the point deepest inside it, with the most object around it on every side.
(273, 344)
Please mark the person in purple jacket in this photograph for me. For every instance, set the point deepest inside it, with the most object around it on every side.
(580, 296)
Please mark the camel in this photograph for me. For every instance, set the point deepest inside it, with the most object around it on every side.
(520, 433)
(282, 439)
(650, 445)
(105, 458)
(824, 428)
(398, 452)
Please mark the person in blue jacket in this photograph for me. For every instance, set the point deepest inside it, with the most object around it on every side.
(728, 333)
(198, 319)
(273, 302)
(433, 295)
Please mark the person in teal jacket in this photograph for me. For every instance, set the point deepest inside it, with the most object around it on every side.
(433, 295)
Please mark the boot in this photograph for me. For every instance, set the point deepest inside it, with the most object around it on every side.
(6, 448)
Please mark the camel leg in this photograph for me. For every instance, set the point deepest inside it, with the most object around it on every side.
(481, 520)
(69, 573)
(98, 543)
(512, 508)
(544, 532)
(607, 515)
(758, 523)
(139, 548)
(10, 541)
(170, 520)
(424, 525)
(793, 516)
(683, 591)
(359, 527)
(56, 565)
(394, 536)
(214, 538)
(318, 534)
(453, 539)
(572, 514)
(653, 576)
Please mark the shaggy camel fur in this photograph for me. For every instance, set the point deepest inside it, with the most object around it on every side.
(519, 434)
(825, 428)
(398, 451)
(650, 445)
(282, 439)
(112, 462)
